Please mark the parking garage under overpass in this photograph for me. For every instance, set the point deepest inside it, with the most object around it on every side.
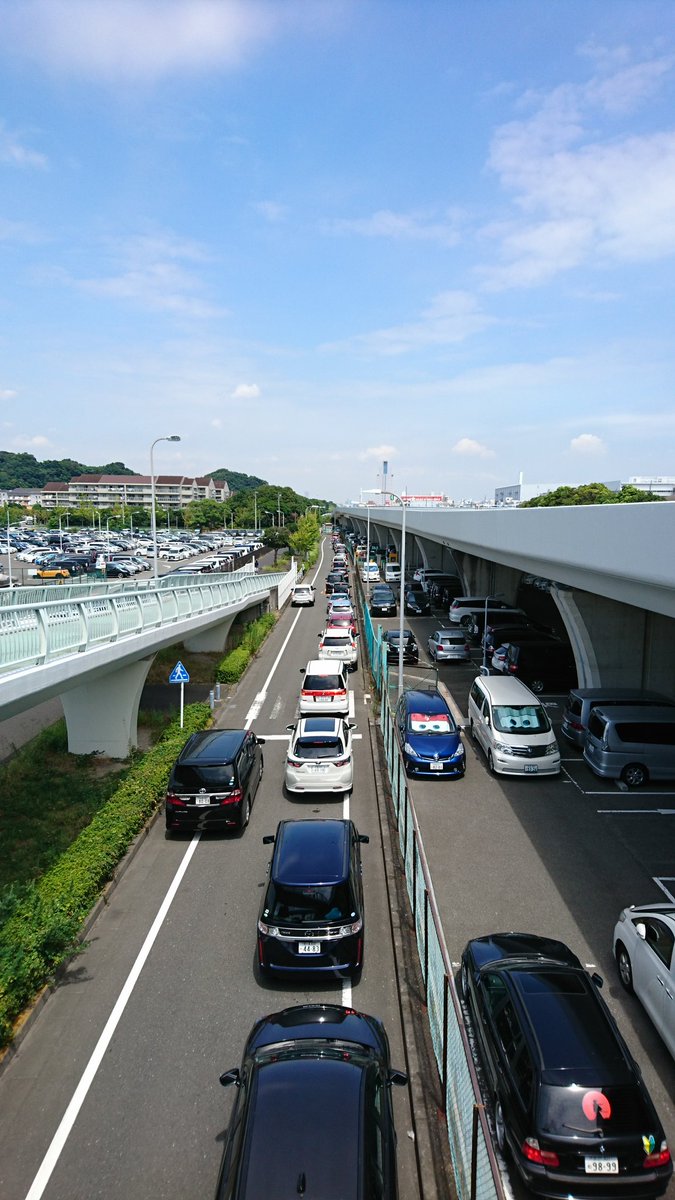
(610, 570)
(92, 644)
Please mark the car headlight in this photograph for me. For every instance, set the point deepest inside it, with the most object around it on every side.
(408, 749)
(268, 930)
(459, 752)
(355, 927)
(503, 748)
(552, 748)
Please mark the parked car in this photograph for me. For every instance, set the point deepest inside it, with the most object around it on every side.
(324, 1104)
(502, 630)
(545, 665)
(570, 1105)
(633, 744)
(581, 702)
(644, 949)
(392, 573)
(311, 914)
(446, 645)
(324, 688)
(416, 601)
(464, 609)
(342, 621)
(370, 572)
(430, 741)
(115, 570)
(512, 727)
(339, 644)
(214, 781)
(392, 641)
(302, 594)
(382, 601)
(319, 757)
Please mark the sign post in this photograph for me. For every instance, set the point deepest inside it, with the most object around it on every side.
(180, 675)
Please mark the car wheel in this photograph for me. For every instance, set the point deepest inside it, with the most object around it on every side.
(464, 982)
(490, 762)
(537, 685)
(168, 833)
(245, 815)
(466, 622)
(261, 768)
(625, 969)
(634, 775)
(500, 1128)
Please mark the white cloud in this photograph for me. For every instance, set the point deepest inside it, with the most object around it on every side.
(420, 227)
(587, 444)
(15, 154)
(7, 394)
(147, 39)
(271, 211)
(38, 441)
(451, 317)
(245, 391)
(468, 448)
(380, 453)
(583, 198)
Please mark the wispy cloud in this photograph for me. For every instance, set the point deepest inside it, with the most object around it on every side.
(588, 444)
(379, 453)
(415, 226)
(245, 391)
(468, 448)
(147, 39)
(580, 198)
(272, 211)
(7, 394)
(35, 441)
(451, 317)
(15, 154)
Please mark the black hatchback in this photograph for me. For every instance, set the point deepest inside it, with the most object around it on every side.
(570, 1106)
(311, 916)
(313, 1113)
(214, 780)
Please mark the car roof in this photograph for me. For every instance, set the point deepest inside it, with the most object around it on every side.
(318, 726)
(501, 690)
(212, 746)
(311, 852)
(424, 699)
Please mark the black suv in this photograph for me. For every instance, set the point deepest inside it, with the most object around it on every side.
(416, 600)
(570, 1104)
(392, 639)
(382, 601)
(214, 781)
(311, 916)
(313, 1111)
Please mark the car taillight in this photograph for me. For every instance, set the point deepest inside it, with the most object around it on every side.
(532, 1151)
(341, 762)
(175, 801)
(512, 668)
(295, 762)
(231, 798)
(660, 1158)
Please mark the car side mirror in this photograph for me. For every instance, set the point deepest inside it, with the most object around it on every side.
(399, 1078)
(641, 930)
(302, 670)
(260, 741)
(290, 728)
(597, 979)
(363, 837)
(269, 839)
(231, 1076)
(352, 725)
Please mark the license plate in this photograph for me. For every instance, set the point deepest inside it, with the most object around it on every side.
(202, 799)
(322, 699)
(601, 1166)
(317, 768)
(531, 768)
(435, 766)
(309, 947)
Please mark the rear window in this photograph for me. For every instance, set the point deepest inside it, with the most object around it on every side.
(315, 748)
(652, 733)
(520, 718)
(336, 640)
(604, 1111)
(323, 683)
(597, 725)
(219, 777)
(574, 705)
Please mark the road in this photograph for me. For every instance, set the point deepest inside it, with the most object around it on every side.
(153, 1119)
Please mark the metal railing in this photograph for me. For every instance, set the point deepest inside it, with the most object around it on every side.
(476, 1169)
(82, 617)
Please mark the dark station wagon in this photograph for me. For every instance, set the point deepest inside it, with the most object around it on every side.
(214, 781)
(571, 1109)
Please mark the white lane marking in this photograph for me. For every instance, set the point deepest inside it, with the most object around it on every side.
(351, 711)
(275, 737)
(346, 983)
(660, 882)
(275, 709)
(60, 1138)
(661, 812)
(79, 1095)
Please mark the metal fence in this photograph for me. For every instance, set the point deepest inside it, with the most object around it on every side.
(477, 1173)
(82, 617)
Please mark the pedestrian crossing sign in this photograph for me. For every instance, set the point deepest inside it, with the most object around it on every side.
(179, 674)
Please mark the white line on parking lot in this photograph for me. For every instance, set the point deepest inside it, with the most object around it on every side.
(661, 812)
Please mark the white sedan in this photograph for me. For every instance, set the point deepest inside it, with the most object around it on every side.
(644, 948)
(319, 755)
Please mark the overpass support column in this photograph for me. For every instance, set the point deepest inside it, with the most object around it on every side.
(484, 578)
(102, 715)
(214, 639)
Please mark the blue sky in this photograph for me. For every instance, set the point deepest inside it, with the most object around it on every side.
(308, 236)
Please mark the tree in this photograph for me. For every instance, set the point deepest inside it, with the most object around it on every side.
(205, 514)
(589, 493)
(306, 536)
(276, 539)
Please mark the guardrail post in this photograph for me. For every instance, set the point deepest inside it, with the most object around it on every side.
(444, 1074)
(474, 1150)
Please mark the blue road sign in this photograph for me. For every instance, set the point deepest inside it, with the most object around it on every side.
(179, 674)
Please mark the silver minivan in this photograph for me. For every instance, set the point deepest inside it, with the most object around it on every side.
(632, 743)
(582, 701)
(512, 726)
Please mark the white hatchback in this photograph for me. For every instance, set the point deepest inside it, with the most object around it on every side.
(319, 755)
(339, 642)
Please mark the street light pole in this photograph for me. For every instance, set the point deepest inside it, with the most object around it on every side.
(173, 437)
(401, 613)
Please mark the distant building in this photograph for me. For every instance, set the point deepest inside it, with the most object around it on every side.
(659, 485)
(132, 491)
(26, 497)
(518, 493)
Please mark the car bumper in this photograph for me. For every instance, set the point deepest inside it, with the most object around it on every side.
(339, 779)
(340, 956)
(421, 769)
(560, 1185)
(193, 819)
(505, 764)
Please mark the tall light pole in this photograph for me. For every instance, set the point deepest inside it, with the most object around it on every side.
(401, 610)
(255, 511)
(173, 437)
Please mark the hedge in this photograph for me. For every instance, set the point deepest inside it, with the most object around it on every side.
(235, 663)
(43, 918)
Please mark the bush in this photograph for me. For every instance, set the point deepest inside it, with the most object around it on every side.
(235, 663)
(42, 919)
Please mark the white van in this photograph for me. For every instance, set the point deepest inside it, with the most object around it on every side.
(512, 727)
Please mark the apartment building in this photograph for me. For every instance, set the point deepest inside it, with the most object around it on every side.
(132, 491)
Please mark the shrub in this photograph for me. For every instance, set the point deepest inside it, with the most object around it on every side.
(235, 663)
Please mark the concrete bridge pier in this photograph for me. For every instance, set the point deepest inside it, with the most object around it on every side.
(102, 714)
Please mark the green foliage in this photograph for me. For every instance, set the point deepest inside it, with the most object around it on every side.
(306, 536)
(24, 470)
(590, 493)
(237, 481)
(41, 920)
(235, 663)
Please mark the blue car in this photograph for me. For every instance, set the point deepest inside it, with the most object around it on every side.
(428, 735)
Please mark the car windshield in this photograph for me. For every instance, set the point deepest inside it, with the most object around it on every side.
(191, 778)
(334, 639)
(313, 748)
(593, 1111)
(429, 722)
(520, 718)
(307, 904)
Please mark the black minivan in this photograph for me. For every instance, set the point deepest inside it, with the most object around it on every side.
(214, 781)
(311, 916)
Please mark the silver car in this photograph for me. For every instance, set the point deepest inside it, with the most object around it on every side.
(644, 948)
(319, 755)
(446, 644)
